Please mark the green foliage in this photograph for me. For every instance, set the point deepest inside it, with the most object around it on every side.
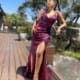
(72, 54)
(14, 20)
(76, 8)
(25, 29)
(29, 28)
(21, 29)
(67, 7)
(70, 10)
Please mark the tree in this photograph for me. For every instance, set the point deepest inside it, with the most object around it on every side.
(14, 20)
(35, 5)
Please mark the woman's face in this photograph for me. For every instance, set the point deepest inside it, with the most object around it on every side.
(49, 3)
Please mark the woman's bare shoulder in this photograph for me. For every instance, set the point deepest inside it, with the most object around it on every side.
(58, 12)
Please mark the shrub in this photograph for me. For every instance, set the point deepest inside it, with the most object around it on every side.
(72, 54)
(21, 29)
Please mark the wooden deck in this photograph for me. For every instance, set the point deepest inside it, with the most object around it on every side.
(13, 54)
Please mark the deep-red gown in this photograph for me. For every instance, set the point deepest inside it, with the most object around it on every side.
(42, 34)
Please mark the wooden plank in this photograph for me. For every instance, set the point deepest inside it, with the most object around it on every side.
(22, 60)
(5, 75)
(24, 50)
(18, 63)
(2, 55)
(17, 58)
(12, 75)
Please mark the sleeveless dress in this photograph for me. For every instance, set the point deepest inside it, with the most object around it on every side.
(42, 34)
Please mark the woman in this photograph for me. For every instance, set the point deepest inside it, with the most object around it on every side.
(36, 67)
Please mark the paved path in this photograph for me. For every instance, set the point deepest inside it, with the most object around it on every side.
(68, 68)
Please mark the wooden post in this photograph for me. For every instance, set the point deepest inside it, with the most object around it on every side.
(50, 51)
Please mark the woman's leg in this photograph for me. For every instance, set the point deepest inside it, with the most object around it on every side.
(39, 58)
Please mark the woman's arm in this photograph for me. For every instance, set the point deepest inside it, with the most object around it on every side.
(41, 11)
(34, 24)
(63, 22)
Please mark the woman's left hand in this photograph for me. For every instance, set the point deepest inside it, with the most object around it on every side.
(58, 31)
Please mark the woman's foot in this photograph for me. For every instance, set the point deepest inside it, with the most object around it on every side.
(35, 77)
(24, 71)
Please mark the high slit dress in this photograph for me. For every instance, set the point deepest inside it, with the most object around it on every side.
(42, 34)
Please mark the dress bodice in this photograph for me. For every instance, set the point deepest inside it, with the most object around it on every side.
(45, 23)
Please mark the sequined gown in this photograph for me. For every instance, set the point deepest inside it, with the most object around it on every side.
(42, 34)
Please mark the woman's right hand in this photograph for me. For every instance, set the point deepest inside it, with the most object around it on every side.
(34, 29)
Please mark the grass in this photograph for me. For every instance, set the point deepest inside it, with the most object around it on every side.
(71, 54)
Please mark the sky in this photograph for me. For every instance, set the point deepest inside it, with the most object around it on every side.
(11, 6)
